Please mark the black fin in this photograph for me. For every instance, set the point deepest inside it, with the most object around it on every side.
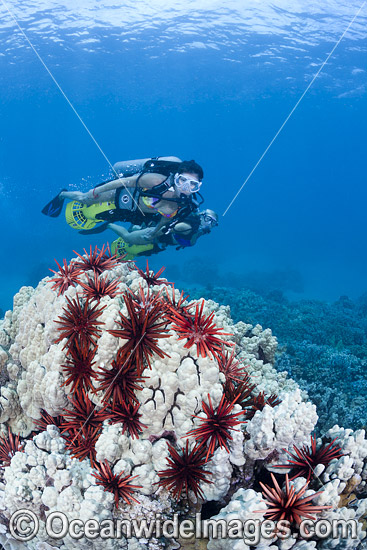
(54, 207)
(97, 229)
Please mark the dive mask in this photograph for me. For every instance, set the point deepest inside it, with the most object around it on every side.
(208, 220)
(187, 185)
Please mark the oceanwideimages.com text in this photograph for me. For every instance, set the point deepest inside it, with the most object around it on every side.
(24, 526)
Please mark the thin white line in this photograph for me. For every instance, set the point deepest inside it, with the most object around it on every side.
(294, 108)
(68, 100)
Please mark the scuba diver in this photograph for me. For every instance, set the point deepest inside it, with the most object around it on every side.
(157, 189)
(138, 241)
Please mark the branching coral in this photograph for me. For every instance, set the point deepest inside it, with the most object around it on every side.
(124, 431)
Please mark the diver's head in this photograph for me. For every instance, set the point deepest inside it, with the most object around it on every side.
(208, 219)
(188, 177)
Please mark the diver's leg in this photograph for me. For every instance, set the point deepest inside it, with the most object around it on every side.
(119, 230)
(72, 195)
(87, 198)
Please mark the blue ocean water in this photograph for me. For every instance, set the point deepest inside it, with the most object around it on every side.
(208, 81)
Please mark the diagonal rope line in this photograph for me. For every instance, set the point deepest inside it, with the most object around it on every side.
(68, 100)
(294, 108)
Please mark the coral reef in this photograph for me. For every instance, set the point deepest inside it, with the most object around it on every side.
(322, 346)
(137, 403)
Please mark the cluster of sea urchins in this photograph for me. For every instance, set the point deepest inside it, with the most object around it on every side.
(149, 316)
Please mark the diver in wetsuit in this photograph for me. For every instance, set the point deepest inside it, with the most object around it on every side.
(144, 242)
(155, 189)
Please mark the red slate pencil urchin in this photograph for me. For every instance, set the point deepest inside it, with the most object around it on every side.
(97, 286)
(147, 302)
(115, 483)
(79, 368)
(79, 323)
(304, 460)
(65, 277)
(47, 420)
(215, 430)
(141, 329)
(258, 402)
(99, 260)
(185, 471)
(81, 443)
(121, 381)
(239, 392)
(289, 504)
(179, 305)
(231, 368)
(201, 331)
(8, 447)
(83, 414)
(152, 278)
(128, 415)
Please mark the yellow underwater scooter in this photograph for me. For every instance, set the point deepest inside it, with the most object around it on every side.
(129, 251)
(82, 217)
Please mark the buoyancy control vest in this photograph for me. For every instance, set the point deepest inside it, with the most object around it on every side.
(172, 237)
(127, 199)
(124, 206)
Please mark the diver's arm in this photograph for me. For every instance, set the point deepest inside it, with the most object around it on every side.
(184, 229)
(158, 229)
(111, 185)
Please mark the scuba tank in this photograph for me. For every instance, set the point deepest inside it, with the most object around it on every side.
(127, 168)
(125, 206)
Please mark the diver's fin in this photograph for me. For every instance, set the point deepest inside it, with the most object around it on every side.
(54, 207)
(97, 229)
